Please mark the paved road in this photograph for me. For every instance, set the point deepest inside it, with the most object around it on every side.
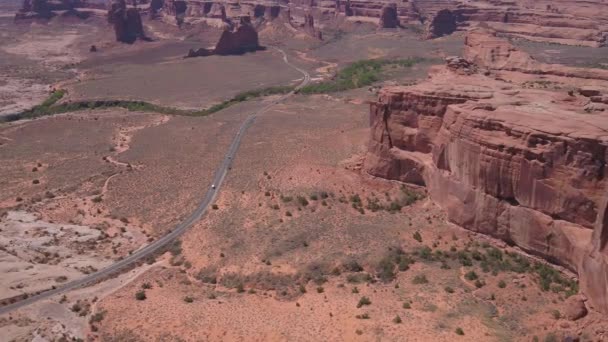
(150, 249)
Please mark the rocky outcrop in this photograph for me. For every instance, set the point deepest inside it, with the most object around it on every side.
(237, 41)
(155, 6)
(389, 17)
(485, 49)
(309, 26)
(241, 40)
(126, 22)
(521, 164)
(34, 9)
(443, 23)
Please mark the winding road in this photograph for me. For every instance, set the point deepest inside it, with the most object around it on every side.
(200, 210)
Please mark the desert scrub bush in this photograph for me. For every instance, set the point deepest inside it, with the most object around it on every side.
(188, 299)
(363, 316)
(502, 284)
(479, 283)
(417, 236)
(215, 207)
(471, 275)
(146, 286)
(420, 279)
(302, 201)
(320, 289)
(97, 317)
(140, 295)
(364, 301)
(407, 305)
(397, 320)
(351, 265)
(448, 289)
(459, 331)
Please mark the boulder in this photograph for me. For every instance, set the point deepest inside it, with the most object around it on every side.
(575, 308)
(589, 91)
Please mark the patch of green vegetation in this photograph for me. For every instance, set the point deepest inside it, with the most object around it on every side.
(50, 106)
(364, 301)
(358, 74)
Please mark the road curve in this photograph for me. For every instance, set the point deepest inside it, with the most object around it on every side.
(200, 210)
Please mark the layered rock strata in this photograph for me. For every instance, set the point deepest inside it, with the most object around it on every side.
(126, 22)
(241, 39)
(523, 164)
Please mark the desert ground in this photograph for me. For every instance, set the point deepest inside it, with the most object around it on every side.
(302, 243)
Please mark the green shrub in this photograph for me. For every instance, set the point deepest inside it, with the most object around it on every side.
(364, 301)
(420, 279)
(140, 295)
(471, 275)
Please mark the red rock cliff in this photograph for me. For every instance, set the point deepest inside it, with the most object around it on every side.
(520, 164)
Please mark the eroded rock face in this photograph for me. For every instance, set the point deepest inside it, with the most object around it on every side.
(521, 164)
(234, 42)
(444, 23)
(155, 6)
(309, 26)
(389, 17)
(237, 41)
(126, 22)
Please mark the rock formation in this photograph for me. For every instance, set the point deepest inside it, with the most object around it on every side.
(46, 9)
(309, 26)
(155, 6)
(442, 24)
(242, 39)
(126, 22)
(389, 18)
(34, 9)
(522, 164)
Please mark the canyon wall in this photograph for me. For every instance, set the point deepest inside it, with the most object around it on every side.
(504, 156)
